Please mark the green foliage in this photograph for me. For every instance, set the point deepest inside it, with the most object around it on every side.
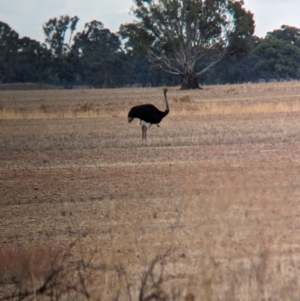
(55, 31)
(65, 62)
(34, 59)
(96, 40)
(100, 52)
(279, 57)
(8, 51)
(288, 34)
(67, 67)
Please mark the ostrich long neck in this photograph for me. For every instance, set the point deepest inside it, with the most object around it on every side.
(167, 105)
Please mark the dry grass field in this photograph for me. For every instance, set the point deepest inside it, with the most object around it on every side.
(207, 209)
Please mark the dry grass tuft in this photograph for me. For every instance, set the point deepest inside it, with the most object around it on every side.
(183, 99)
(232, 91)
(44, 108)
(226, 108)
(86, 107)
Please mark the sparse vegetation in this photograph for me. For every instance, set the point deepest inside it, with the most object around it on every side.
(89, 211)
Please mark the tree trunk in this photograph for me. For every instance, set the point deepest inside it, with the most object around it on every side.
(189, 81)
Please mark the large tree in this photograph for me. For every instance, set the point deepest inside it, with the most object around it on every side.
(175, 34)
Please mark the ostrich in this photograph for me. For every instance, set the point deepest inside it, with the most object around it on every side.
(148, 115)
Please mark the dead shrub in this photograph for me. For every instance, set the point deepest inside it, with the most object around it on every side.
(21, 264)
(185, 98)
(44, 108)
(191, 107)
(232, 91)
(73, 279)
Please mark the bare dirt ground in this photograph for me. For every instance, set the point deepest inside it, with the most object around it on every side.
(216, 189)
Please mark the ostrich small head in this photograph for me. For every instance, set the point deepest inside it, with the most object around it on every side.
(130, 119)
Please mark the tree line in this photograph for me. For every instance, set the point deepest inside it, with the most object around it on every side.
(180, 42)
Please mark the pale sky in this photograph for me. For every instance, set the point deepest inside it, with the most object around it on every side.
(26, 17)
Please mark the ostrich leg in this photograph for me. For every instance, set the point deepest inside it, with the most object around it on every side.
(144, 132)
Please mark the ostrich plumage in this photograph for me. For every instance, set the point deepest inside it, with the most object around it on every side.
(148, 115)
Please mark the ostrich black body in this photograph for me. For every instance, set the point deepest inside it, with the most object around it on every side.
(148, 113)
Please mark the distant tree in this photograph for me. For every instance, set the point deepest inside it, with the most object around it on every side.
(278, 57)
(65, 61)
(141, 69)
(234, 70)
(34, 61)
(56, 30)
(289, 34)
(95, 39)
(101, 55)
(177, 34)
(8, 52)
